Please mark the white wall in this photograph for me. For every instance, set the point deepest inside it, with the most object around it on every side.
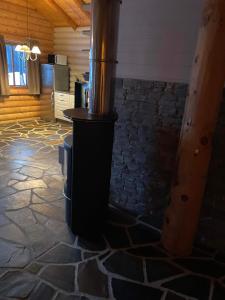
(157, 39)
(73, 43)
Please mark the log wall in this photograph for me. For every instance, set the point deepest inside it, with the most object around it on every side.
(13, 26)
(76, 45)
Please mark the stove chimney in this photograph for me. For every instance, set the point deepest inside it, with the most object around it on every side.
(105, 21)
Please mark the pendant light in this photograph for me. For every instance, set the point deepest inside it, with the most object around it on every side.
(29, 48)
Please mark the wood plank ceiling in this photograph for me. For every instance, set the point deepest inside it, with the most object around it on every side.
(63, 13)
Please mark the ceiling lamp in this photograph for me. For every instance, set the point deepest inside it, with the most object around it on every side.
(31, 52)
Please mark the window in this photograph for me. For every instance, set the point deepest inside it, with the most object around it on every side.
(17, 67)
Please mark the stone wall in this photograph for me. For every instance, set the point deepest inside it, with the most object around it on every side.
(146, 137)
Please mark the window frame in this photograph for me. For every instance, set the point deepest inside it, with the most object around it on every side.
(14, 87)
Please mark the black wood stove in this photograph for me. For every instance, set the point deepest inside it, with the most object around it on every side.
(93, 128)
(91, 171)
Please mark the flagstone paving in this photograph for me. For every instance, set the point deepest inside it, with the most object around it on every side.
(41, 259)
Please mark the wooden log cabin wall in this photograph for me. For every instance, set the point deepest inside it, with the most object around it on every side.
(13, 26)
(75, 45)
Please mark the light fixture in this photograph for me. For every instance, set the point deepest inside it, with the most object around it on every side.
(31, 51)
(35, 49)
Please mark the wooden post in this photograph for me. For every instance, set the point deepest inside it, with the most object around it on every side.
(200, 117)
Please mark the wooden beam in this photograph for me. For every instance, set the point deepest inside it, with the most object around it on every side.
(74, 9)
(83, 14)
(53, 13)
(200, 117)
(60, 10)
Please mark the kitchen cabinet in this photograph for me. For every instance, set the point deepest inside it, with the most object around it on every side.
(62, 101)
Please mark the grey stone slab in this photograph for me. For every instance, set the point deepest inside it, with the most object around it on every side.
(63, 131)
(141, 234)
(203, 266)
(49, 211)
(190, 285)
(59, 203)
(119, 217)
(12, 182)
(91, 280)
(13, 255)
(34, 268)
(54, 183)
(17, 284)
(197, 253)
(218, 292)
(172, 296)
(46, 150)
(3, 220)
(18, 176)
(4, 180)
(160, 269)
(202, 246)
(60, 276)
(88, 255)
(43, 292)
(125, 265)
(61, 231)
(62, 254)
(16, 201)
(31, 171)
(12, 233)
(36, 199)
(2, 144)
(11, 165)
(6, 191)
(117, 237)
(124, 290)
(53, 170)
(67, 297)
(105, 254)
(48, 194)
(16, 126)
(155, 220)
(147, 251)
(3, 271)
(24, 218)
(34, 163)
(40, 239)
(92, 245)
(40, 219)
(220, 256)
(30, 184)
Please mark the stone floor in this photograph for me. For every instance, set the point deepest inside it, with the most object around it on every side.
(41, 259)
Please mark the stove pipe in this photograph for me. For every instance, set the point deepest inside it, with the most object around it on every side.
(105, 21)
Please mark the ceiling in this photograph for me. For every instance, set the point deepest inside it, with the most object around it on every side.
(63, 13)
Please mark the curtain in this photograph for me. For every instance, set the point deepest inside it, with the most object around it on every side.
(33, 74)
(4, 80)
